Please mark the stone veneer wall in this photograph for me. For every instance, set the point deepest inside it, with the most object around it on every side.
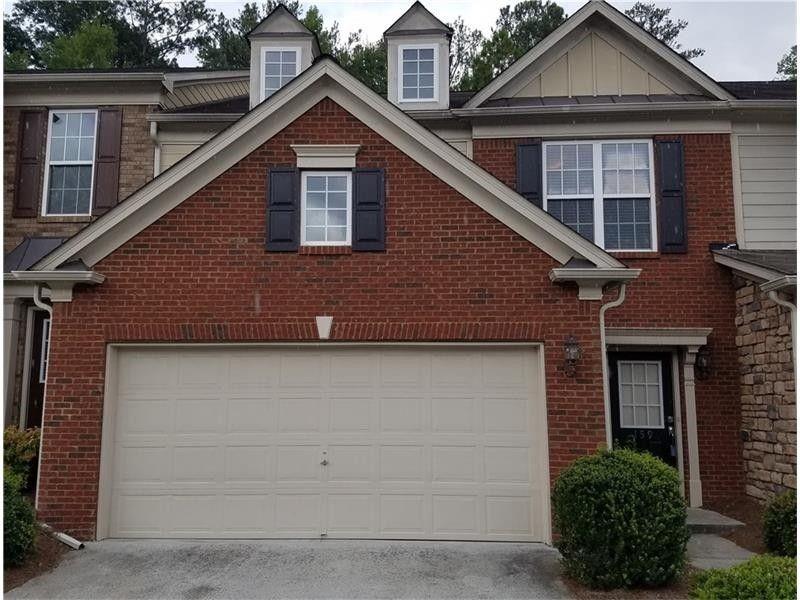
(769, 420)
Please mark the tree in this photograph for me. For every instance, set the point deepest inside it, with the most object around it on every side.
(92, 46)
(516, 31)
(148, 33)
(464, 46)
(656, 22)
(787, 65)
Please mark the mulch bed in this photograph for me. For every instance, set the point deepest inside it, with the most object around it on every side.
(748, 511)
(45, 558)
(679, 590)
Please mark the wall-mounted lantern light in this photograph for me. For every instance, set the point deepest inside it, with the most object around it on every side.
(703, 363)
(572, 354)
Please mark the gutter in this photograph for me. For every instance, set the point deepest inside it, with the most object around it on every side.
(189, 117)
(772, 288)
(592, 280)
(601, 109)
(49, 77)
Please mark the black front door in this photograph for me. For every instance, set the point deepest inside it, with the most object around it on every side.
(38, 368)
(642, 414)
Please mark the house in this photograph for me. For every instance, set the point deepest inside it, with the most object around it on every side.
(273, 303)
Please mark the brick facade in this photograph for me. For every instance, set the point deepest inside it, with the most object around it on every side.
(136, 169)
(450, 272)
(769, 418)
(684, 290)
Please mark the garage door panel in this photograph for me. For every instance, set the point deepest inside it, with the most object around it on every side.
(419, 442)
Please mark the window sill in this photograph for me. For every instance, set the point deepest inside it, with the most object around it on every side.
(64, 219)
(326, 250)
(651, 254)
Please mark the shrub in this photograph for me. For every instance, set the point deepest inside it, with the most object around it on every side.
(621, 519)
(763, 577)
(780, 524)
(19, 522)
(20, 447)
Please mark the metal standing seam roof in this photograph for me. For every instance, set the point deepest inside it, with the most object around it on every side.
(30, 251)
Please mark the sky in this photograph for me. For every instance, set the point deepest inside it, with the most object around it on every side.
(735, 49)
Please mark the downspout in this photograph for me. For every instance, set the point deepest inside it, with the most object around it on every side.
(37, 300)
(604, 359)
(773, 295)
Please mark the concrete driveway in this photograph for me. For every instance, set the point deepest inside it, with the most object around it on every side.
(301, 569)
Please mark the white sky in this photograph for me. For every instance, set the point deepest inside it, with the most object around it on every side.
(743, 39)
(736, 49)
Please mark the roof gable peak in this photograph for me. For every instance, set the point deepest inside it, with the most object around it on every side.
(417, 19)
(280, 20)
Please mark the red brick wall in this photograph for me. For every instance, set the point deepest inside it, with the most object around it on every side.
(450, 272)
(136, 169)
(685, 290)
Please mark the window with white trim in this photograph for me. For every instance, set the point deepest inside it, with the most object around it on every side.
(326, 208)
(281, 65)
(71, 136)
(604, 190)
(641, 395)
(418, 75)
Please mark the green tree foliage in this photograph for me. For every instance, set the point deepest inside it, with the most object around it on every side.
(147, 33)
(657, 22)
(787, 65)
(464, 47)
(516, 31)
(92, 46)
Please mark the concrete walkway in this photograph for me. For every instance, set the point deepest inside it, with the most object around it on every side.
(301, 569)
(708, 551)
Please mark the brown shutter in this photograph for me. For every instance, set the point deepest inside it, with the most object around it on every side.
(106, 170)
(28, 180)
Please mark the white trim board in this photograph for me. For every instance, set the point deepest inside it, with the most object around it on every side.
(627, 26)
(325, 79)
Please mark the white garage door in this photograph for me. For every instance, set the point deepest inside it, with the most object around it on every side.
(444, 442)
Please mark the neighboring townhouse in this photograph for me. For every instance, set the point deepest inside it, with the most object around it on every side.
(276, 304)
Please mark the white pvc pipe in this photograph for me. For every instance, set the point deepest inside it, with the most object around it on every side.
(604, 360)
(37, 300)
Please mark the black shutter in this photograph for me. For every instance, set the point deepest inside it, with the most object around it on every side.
(672, 196)
(27, 182)
(529, 171)
(283, 210)
(106, 173)
(369, 199)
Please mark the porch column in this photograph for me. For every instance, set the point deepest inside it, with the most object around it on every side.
(695, 486)
(12, 317)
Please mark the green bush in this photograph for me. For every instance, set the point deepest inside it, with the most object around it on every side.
(621, 519)
(20, 448)
(19, 521)
(780, 524)
(763, 577)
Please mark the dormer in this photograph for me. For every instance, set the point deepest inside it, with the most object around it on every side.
(418, 49)
(281, 47)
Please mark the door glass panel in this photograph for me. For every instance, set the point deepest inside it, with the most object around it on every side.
(641, 397)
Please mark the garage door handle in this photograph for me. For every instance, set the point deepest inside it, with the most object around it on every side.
(324, 462)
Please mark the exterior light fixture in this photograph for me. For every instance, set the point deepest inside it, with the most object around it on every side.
(572, 354)
(703, 363)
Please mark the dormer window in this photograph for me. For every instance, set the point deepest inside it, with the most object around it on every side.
(418, 74)
(281, 65)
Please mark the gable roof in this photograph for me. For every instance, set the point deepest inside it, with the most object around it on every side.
(324, 79)
(417, 19)
(622, 22)
(265, 26)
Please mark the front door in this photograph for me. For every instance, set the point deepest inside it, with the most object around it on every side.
(642, 414)
(38, 369)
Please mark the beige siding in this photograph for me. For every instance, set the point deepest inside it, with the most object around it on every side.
(767, 186)
(596, 62)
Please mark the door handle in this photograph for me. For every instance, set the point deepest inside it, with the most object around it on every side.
(324, 462)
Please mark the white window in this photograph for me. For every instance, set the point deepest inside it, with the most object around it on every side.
(44, 348)
(604, 190)
(69, 176)
(640, 394)
(326, 211)
(281, 65)
(418, 75)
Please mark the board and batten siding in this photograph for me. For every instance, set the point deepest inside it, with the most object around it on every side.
(765, 183)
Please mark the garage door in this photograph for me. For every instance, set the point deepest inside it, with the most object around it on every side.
(433, 442)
